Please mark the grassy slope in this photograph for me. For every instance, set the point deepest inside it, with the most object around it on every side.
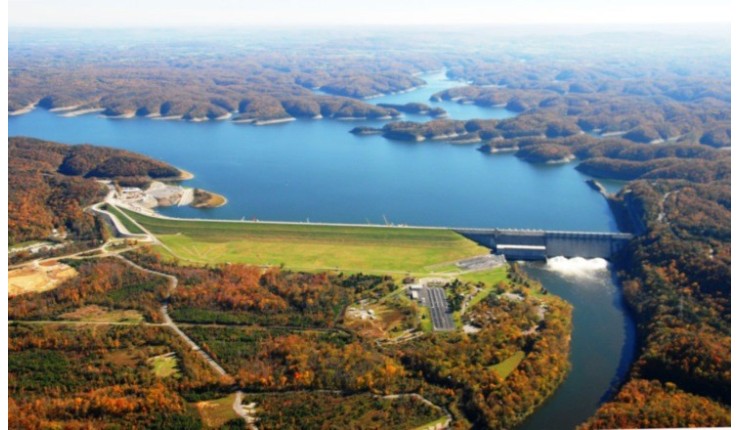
(311, 247)
(131, 227)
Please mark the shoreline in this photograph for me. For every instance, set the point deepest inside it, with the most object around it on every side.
(564, 160)
(214, 201)
(197, 198)
(184, 174)
(75, 113)
(166, 118)
(23, 110)
(64, 108)
(274, 121)
(126, 115)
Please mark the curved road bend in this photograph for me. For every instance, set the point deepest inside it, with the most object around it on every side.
(172, 280)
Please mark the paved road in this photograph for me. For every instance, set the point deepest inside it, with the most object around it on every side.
(435, 300)
(237, 405)
(168, 321)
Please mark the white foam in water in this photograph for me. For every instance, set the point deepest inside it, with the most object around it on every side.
(578, 267)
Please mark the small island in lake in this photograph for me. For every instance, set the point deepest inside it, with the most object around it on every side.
(416, 108)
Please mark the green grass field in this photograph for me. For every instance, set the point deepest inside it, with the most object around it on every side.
(489, 277)
(507, 366)
(94, 313)
(164, 366)
(131, 227)
(215, 413)
(425, 319)
(433, 424)
(311, 247)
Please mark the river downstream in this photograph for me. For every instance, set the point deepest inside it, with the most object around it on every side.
(316, 170)
(602, 342)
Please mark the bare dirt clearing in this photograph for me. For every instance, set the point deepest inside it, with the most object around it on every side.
(38, 278)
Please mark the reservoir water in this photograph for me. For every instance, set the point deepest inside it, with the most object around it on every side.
(316, 170)
(437, 82)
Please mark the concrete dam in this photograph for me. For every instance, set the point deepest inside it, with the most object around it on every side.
(542, 244)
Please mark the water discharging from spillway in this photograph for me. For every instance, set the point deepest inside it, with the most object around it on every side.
(602, 344)
(578, 267)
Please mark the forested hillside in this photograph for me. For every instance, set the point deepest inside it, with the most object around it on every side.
(676, 278)
(80, 356)
(50, 184)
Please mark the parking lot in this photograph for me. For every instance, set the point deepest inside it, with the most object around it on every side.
(434, 298)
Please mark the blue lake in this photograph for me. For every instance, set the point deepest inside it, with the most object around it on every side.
(317, 170)
(436, 82)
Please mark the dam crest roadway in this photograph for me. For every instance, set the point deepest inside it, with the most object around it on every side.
(514, 244)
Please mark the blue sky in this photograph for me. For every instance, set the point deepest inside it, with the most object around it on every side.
(167, 13)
